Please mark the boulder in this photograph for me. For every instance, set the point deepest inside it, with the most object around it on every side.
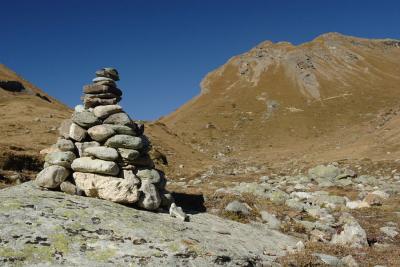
(61, 158)
(86, 164)
(92, 232)
(119, 119)
(149, 199)
(105, 111)
(76, 132)
(85, 119)
(124, 141)
(106, 187)
(101, 152)
(52, 176)
(101, 132)
(150, 175)
(65, 145)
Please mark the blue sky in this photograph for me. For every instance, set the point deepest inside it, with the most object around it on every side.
(163, 49)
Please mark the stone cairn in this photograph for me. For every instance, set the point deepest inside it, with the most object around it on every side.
(102, 153)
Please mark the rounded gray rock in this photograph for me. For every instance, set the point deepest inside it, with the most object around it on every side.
(82, 146)
(52, 176)
(101, 152)
(68, 187)
(105, 111)
(124, 141)
(101, 133)
(122, 129)
(128, 154)
(150, 198)
(150, 175)
(65, 145)
(86, 164)
(85, 119)
(76, 132)
(119, 119)
(61, 158)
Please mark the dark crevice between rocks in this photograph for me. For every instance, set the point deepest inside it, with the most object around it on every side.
(20, 162)
(190, 203)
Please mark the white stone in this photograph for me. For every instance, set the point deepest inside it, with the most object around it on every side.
(76, 132)
(357, 204)
(106, 187)
(52, 176)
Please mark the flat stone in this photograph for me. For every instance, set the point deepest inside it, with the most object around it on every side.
(65, 145)
(104, 81)
(28, 212)
(389, 231)
(82, 146)
(108, 73)
(64, 128)
(150, 198)
(85, 119)
(86, 164)
(328, 259)
(150, 175)
(122, 129)
(124, 141)
(328, 172)
(76, 132)
(130, 176)
(105, 111)
(102, 96)
(52, 176)
(119, 119)
(91, 102)
(106, 187)
(101, 132)
(101, 152)
(62, 158)
(101, 89)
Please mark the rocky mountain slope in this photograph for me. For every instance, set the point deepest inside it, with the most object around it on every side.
(332, 98)
(29, 119)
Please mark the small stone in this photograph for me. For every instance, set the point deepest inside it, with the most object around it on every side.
(107, 187)
(124, 141)
(270, 219)
(65, 145)
(52, 176)
(177, 212)
(150, 175)
(101, 152)
(105, 111)
(329, 172)
(373, 200)
(101, 133)
(389, 231)
(76, 132)
(128, 154)
(85, 119)
(68, 187)
(300, 246)
(349, 261)
(118, 119)
(62, 158)
(238, 207)
(150, 199)
(86, 164)
(108, 73)
(328, 259)
(357, 204)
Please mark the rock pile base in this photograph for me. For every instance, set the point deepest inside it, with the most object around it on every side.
(102, 153)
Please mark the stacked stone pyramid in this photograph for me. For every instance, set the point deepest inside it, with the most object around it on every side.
(102, 153)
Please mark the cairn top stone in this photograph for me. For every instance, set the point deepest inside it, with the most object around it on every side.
(108, 73)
